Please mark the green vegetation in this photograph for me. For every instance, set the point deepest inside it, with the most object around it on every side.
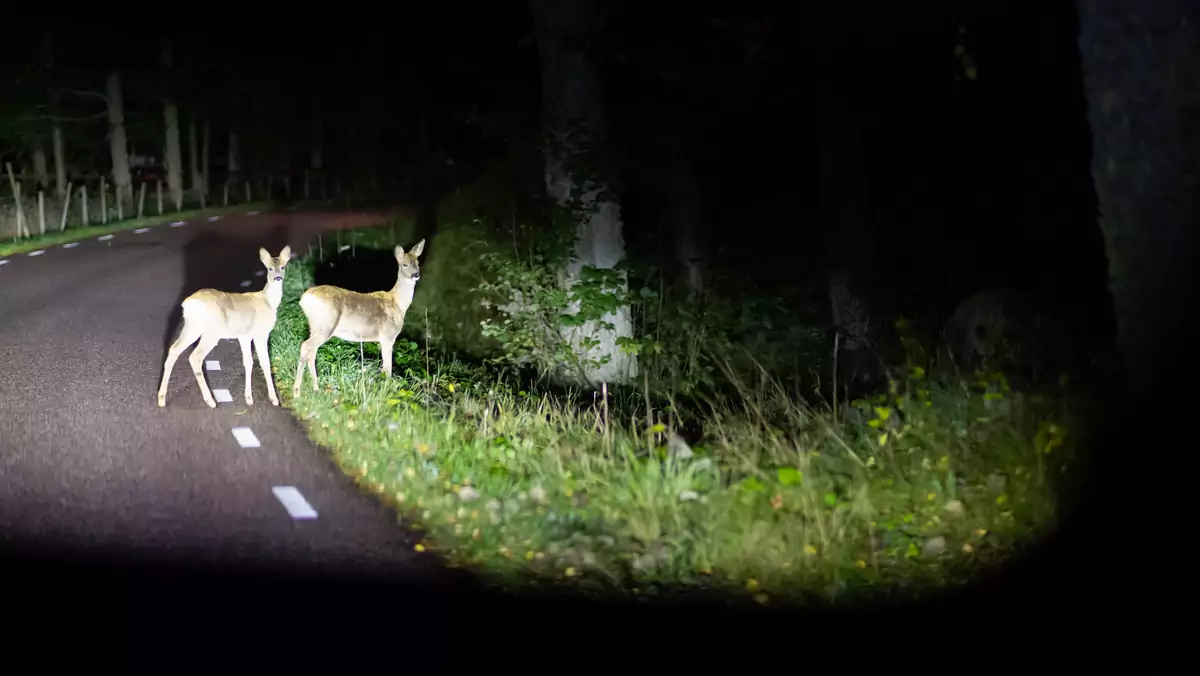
(928, 481)
(20, 246)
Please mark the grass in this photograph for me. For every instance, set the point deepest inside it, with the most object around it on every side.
(20, 246)
(927, 483)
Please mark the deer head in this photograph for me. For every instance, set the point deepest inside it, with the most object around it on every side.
(410, 267)
(275, 266)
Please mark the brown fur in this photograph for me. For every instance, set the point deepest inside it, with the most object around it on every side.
(210, 315)
(375, 317)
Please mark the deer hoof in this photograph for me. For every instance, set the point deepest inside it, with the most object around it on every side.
(274, 402)
(162, 401)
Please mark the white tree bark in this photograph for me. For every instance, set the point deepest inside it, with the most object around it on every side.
(576, 130)
(235, 164)
(118, 145)
(39, 164)
(194, 157)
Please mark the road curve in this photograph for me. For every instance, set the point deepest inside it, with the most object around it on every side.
(90, 466)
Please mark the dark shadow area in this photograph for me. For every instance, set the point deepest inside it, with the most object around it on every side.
(214, 259)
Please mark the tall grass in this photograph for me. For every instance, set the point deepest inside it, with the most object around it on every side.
(927, 483)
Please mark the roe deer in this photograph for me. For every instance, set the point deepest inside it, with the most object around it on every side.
(211, 315)
(358, 317)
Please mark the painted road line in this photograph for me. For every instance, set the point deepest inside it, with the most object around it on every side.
(141, 230)
(70, 245)
(103, 238)
(294, 503)
(214, 218)
(39, 252)
(212, 365)
(260, 273)
(3, 261)
(251, 213)
(178, 224)
(222, 396)
(245, 437)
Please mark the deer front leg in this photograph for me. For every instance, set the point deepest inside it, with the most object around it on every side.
(248, 366)
(264, 362)
(207, 343)
(385, 349)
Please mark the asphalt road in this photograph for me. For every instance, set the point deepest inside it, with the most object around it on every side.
(90, 466)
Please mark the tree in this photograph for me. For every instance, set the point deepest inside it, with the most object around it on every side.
(577, 179)
(118, 146)
(174, 156)
(1141, 66)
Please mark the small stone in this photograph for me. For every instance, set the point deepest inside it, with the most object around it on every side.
(467, 494)
(954, 507)
(934, 546)
(538, 494)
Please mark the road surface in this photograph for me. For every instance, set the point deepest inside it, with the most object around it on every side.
(90, 466)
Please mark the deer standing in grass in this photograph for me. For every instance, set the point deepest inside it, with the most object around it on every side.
(358, 317)
(210, 315)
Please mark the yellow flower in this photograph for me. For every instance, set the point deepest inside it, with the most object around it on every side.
(450, 387)
(860, 563)
(810, 550)
(931, 496)
(410, 472)
(967, 548)
(529, 556)
(399, 496)
(752, 584)
(570, 572)
(419, 548)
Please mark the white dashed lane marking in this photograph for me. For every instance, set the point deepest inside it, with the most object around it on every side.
(251, 213)
(223, 397)
(3, 261)
(212, 365)
(294, 502)
(141, 230)
(178, 224)
(70, 245)
(214, 218)
(103, 238)
(245, 437)
(39, 252)
(246, 283)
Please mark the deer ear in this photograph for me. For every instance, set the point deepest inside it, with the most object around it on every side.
(285, 255)
(264, 257)
(399, 251)
(416, 250)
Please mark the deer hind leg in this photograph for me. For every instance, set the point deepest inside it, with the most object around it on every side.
(188, 334)
(248, 366)
(207, 343)
(308, 357)
(264, 362)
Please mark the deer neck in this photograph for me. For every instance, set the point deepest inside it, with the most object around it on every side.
(402, 293)
(273, 293)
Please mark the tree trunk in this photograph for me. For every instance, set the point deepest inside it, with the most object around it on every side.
(848, 241)
(1141, 63)
(317, 160)
(234, 165)
(173, 154)
(118, 146)
(576, 130)
(204, 157)
(60, 160)
(39, 164)
(685, 214)
(194, 158)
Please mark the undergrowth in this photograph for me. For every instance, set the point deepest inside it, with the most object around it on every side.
(926, 482)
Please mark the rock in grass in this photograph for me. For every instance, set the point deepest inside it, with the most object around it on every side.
(467, 494)
(934, 546)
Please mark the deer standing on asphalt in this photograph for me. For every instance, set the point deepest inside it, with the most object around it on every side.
(210, 315)
(358, 317)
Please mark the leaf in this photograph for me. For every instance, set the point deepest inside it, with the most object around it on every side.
(789, 476)
(753, 484)
(831, 499)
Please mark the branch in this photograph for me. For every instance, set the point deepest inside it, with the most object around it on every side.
(87, 94)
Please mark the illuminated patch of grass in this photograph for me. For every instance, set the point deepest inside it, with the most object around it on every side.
(926, 484)
(21, 246)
